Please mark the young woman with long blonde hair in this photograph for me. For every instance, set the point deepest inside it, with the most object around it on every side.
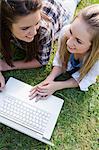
(78, 54)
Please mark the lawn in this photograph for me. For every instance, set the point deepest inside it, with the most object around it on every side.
(77, 127)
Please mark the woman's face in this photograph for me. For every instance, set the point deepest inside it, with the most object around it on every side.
(79, 40)
(26, 27)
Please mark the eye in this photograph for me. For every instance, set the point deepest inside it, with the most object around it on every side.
(78, 41)
(25, 28)
(70, 31)
(37, 23)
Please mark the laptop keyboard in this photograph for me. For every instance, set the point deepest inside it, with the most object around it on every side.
(24, 114)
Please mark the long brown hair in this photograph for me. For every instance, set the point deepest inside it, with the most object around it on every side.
(90, 15)
(9, 11)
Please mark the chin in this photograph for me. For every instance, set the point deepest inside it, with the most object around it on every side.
(70, 50)
(28, 40)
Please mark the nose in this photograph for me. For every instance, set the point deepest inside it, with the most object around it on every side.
(70, 42)
(33, 31)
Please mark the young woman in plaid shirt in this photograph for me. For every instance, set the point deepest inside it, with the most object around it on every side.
(32, 26)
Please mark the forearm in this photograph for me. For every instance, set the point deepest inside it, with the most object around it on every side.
(52, 86)
(70, 83)
(56, 71)
(21, 65)
(26, 65)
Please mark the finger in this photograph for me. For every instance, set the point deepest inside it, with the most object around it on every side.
(33, 96)
(33, 88)
(1, 89)
(41, 98)
(44, 97)
(2, 85)
(38, 85)
(42, 86)
(38, 97)
(32, 92)
(42, 94)
(42, 90)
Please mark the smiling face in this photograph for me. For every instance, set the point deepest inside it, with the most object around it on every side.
(26, 27)
(79, 40)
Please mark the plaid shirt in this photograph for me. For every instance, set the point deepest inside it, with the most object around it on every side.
(58, 16)
(49, 32)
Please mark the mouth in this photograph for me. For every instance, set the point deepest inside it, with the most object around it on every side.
(70, 48)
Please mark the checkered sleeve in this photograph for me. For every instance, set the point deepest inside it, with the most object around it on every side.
(45, 46)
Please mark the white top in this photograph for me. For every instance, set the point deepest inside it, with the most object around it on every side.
(89, 78)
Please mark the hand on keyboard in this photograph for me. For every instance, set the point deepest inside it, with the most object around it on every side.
(43, 90)
(38, 97)
(35, 92)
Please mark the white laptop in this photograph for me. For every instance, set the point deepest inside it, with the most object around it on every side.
(36, 119)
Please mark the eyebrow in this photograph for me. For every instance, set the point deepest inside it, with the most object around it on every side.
(26, 27)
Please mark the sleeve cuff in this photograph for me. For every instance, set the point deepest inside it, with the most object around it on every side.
(85, 82)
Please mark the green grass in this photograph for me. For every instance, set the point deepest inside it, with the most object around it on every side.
(77, 127)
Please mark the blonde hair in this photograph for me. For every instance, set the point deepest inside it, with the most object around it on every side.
(90, 15)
